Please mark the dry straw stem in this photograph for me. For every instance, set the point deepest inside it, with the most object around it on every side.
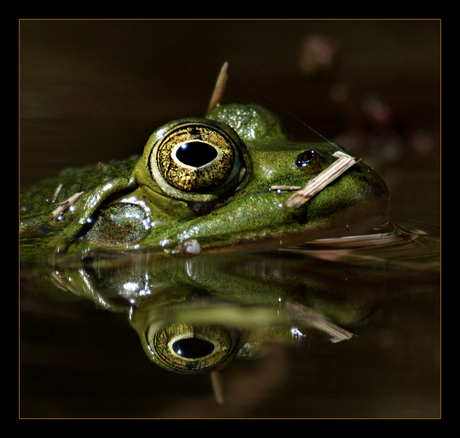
(64, 205)
(319, 182)
(285, 188)
(56, 193)
(219, 88)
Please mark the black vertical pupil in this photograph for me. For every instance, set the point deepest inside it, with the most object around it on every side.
(305, 158)
(196, 153)
(193, 348)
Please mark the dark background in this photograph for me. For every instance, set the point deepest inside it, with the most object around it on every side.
(93, 89)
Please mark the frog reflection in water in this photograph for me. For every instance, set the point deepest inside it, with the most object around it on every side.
(207, 180)
(197, 314)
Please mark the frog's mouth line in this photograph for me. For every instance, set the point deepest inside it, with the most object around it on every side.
(319, 182)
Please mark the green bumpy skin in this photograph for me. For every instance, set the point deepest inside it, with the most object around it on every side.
(140, 203)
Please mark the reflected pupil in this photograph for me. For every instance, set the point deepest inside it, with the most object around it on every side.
(196, 154)
(192, 348)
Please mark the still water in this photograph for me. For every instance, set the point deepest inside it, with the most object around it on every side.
(95, 90)
(330, 329)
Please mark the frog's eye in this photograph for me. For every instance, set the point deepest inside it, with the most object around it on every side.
(197, 159)
(185, 348)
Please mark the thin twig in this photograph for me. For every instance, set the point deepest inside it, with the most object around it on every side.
(56, 193)
(64, 205)
(219, 88)
(285, 188)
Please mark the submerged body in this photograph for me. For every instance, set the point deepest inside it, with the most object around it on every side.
(207, 180)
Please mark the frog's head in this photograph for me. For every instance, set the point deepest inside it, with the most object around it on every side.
(211, 179)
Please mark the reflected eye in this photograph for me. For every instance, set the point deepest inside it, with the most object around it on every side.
(197, 157)
(193, 349)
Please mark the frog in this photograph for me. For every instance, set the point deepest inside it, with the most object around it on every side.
(219, 181)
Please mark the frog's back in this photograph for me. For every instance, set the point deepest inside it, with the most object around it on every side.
(48, 207)
(45, 196)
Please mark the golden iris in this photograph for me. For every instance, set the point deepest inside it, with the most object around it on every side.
(194, 158)
(185, 348)
(197, 159)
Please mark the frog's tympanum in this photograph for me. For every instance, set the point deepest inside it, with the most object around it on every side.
(206, 180)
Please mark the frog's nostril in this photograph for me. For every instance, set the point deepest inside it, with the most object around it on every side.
(196, 153)
(305, 158)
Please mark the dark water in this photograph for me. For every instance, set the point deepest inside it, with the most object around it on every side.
(92, 91)
(80, 357)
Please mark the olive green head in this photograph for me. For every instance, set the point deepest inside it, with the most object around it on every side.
(215, 180)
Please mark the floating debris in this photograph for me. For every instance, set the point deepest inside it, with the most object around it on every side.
(191, 246)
